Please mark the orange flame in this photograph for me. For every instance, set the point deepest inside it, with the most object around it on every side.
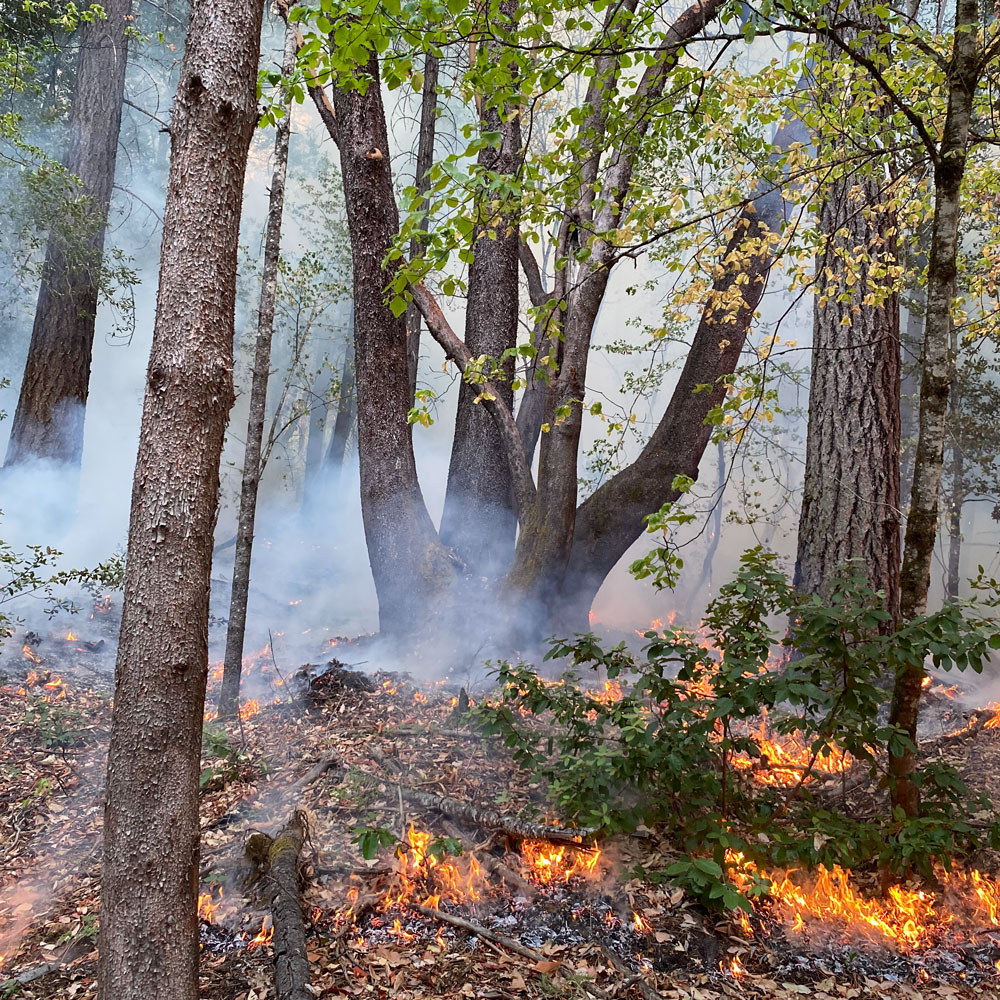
(264, 935)
(546, 863)
(30, 654)
(249, 709)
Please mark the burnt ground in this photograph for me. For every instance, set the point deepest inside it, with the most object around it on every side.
(591, 934)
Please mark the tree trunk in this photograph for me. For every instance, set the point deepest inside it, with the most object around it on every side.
(478, 521)
(410, 567)
(149, 922)
(425, 160)
(921, 527)
(252, 467)
(612, 518)
(48, 421)
(346, 411)
(850, 501)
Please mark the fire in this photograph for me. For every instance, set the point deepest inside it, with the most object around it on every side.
(206, 908)
(548, 863)
(70, 637)
(249, 708)
(786, 760)
(30, 654)
(419, 698)
(609, 694)
(926, 682)
(640, 925)
(388, 687)
(264, 935)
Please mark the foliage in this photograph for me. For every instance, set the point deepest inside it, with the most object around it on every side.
(681, 746)
(228, 761)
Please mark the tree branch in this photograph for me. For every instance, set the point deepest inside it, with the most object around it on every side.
(455, 349)
(533, 275)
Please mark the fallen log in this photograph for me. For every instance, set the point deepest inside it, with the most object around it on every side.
(490, 819)
(279, 869)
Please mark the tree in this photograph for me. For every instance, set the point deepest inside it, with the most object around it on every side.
(963, 73)
(479, 522)
(48, 421)
(149, 923)
(229, 691)
(850, 501)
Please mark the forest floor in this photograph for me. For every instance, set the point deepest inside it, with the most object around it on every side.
(587, 928)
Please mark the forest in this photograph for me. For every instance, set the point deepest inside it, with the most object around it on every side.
(499, 499)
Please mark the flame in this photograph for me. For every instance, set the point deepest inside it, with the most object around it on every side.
(264, 935)
(249, 708)
(787, 756)
(547, 863)
(735, 969)
(640, 925)
(70, 637)
(420, 698)
(926, 682)
(30, 654)
(388, 687)
(206, 908)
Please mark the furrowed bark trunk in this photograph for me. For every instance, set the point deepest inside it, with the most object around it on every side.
(850, 502)
(921, 526)
(346, 413)
(410, 567)
(229, 692)
(478, 521)
(48, 421)
(149, 922)
(425, 160)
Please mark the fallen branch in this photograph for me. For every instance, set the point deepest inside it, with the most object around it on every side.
(316, 771)
(490, 819)
(8, 985)
(281, 869)
(509, 943)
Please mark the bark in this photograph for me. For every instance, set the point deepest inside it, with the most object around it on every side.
(149, 922)
(229, 692)
(850, 502)
(921, 528)
(291, 964)
(909, 388)
(346, 412)
(478, 521)
(48, 421)
(479, 931)
(410, 567)
(425, 160)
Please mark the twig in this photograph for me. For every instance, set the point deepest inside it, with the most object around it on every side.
(316, 771)
(277, 670)
(30, 976)
(509, 943)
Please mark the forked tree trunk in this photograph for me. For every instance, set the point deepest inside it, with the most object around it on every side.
(850, 501)
(48, 421)
(229, 692)
(478, 521)
(410, 567)
(921, 527)
(149, 921)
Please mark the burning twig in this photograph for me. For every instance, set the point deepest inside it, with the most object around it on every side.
(291, 966)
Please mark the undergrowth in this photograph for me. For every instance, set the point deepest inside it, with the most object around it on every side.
(679, 749)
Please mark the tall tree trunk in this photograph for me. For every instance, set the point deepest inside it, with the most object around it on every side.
(425, 160)
(229, 692)
(850, 501)
(149, 921)
(410, 567)
(909, 387)
(48, 421)
(346, 410)
(921, 527)
(478, 521)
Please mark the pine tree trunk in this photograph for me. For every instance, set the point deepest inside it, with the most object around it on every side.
(410, 567)
(252, 466)
(850, 501)
(48, 421)
(921, 525)
(149, 922)
(478, 521)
